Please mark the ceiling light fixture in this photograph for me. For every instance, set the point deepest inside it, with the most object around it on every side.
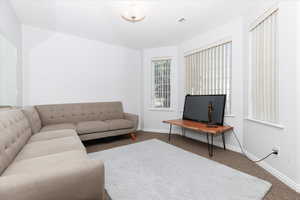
(134, 13)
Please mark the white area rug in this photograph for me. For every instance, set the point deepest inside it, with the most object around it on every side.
(155, 170)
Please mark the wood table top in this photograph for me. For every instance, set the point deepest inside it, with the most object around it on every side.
(199, 126)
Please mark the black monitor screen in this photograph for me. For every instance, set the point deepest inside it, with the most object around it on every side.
(196, 108)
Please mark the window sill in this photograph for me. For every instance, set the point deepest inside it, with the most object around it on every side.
(162, 109)
(231, 116)
(266, 123)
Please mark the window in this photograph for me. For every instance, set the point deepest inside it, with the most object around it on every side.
(208, 71)
(161, 83)
(264, 73)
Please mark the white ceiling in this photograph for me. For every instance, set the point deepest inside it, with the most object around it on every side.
(100, 19)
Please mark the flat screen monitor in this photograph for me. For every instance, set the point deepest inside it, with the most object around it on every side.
(196, 108)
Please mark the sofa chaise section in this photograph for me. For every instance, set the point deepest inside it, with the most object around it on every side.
(45, 165)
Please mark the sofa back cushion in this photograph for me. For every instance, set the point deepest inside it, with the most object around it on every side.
(14, 134)
(77, 112)
(4, 108)
(33, 118)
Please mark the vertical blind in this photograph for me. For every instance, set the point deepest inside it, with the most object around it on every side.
(264, 74)
(161, 83)
(209, 72)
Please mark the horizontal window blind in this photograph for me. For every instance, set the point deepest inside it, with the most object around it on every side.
(161, 83)
(209, 72)
(264, 74)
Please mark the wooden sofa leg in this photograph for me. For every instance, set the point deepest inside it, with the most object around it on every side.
(133, 136)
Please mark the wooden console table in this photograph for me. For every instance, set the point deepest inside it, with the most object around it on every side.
(200, 127)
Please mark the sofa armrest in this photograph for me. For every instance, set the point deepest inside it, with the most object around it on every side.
(76, 180)
(134, 118)
(33, 118)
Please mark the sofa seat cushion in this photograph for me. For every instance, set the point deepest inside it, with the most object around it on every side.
(92, 127)
(48, 135)
(117, 124)
(54, 127)
(38, 164)
(47, 147)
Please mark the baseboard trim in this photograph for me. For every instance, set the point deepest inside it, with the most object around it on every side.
(155, 130)
(219, 144)
(282, 177)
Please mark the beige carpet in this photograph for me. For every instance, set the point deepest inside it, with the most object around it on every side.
(279, 191)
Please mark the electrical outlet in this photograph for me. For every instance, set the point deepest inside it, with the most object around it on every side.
(276, 149)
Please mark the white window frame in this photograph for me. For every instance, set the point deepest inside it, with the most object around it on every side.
(213, 45)
(251, 117)
(151, 106)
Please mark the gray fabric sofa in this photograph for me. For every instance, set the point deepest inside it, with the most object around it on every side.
(89, 120)
(47, 165)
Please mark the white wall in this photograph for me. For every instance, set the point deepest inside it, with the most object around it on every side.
(298, 92)
(9, 24)
(61, 68)
(152, 119)
(10, 29)
(259, 139)
(234, 31)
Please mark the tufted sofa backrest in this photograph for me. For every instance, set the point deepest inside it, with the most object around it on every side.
(77, 112)
(14, 134)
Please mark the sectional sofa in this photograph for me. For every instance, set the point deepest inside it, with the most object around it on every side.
(41, 154)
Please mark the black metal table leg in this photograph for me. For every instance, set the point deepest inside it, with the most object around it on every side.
(223, 138)
(208, 143)
(211, 153)
(183, 131)
(170, 132)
